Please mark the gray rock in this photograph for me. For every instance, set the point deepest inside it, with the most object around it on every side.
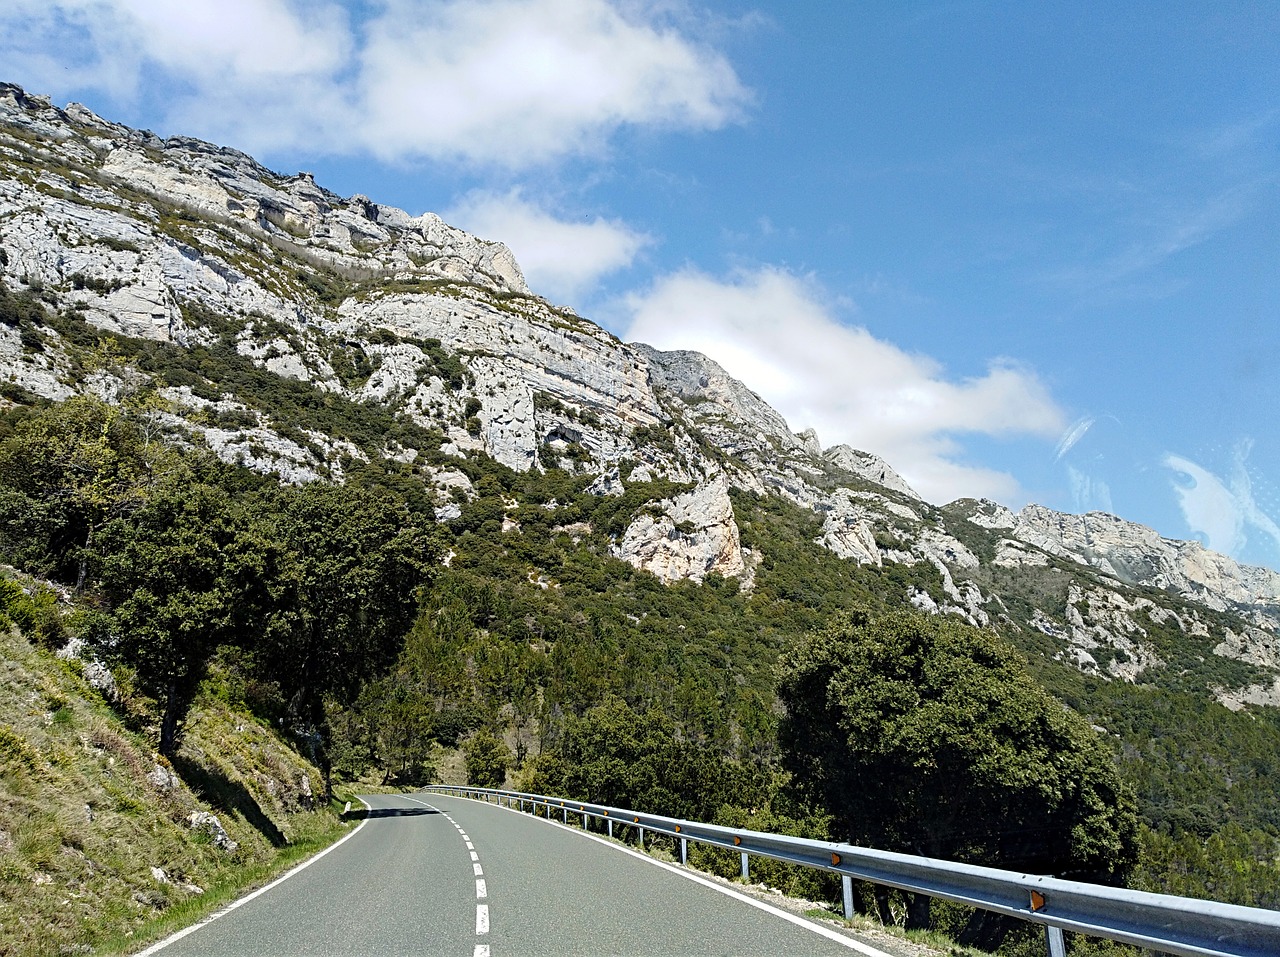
(209, 823)
(687, 537)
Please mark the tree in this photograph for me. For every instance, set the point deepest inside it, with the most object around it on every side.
(65, 471)
(346, 594)
(924, 735)
(488, 758)
(390, 727)
(613, 755)
(175, 574)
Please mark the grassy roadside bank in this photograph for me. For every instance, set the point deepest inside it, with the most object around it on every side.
(105, 845)
(319, 831)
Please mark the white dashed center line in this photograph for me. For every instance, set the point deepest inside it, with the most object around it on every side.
(482, 888)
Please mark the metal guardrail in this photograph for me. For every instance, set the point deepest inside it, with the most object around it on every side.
(1161, 922)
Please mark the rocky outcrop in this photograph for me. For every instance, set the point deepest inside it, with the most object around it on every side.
(180, 241)
(870, 467)
(686, 537)
(1137, 555)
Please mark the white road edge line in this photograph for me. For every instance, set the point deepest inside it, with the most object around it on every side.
(174, 938)
(866, 949)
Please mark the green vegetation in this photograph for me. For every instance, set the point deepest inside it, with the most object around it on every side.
(535, 656)
(98, 847)
(924, 735)
(317, 585)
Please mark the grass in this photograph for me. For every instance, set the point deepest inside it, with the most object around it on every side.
(87, 810)
(311, 836)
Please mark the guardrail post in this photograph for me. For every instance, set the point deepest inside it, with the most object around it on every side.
(847, 886)
(1057, 943)
(746, 868)
(584, 820)
(642, 839)
(610, 827)
(684, 850)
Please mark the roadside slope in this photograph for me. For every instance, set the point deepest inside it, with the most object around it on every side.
(98, 835)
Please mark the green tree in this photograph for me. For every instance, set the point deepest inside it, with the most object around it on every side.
(347, 592)
(388, 727)
(65, 471)
(921, 734)
(616, 756)
(487, 758)
(182, 579)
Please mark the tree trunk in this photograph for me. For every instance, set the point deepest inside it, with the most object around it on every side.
(919, 916)
(82, 572)
(882, 905)
(985, 930)
(169, 722)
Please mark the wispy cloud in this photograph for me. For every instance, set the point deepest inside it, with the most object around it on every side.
(511, 83)
(562, 259)
(774, 331)
(1165, 234)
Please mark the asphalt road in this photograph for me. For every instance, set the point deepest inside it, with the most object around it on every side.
(436, 875)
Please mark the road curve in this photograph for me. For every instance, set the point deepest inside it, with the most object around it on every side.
(438, 875)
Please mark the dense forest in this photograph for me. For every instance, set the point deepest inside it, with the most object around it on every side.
(382, 638)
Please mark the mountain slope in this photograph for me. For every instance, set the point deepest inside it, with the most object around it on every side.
(99, 835)
(426, 339)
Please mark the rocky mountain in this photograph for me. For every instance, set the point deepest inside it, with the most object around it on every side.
(190, 279)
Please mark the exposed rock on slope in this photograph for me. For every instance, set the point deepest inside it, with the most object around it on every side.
(193, 247)
(689, 536)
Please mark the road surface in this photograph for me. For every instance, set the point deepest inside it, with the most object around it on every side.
(430, 875)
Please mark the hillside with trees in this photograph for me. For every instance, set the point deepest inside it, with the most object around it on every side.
(338, 473)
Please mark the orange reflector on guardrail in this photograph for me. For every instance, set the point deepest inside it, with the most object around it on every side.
(1037, 901)
(606, 813)
(737, 841)
(677, 828)
(636, 819)
(835, 858)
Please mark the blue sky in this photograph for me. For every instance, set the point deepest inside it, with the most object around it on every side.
(1023, 251)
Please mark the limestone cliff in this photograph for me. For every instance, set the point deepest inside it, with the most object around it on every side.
(180, 242)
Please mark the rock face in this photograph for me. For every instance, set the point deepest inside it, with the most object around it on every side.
(870, 467)
(191, 246)
(689, 536)
(1136, 554)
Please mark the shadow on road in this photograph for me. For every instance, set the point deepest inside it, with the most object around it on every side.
(394, 812)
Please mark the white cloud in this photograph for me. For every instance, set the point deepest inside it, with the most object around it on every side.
(562, 260)
(520, 81)
(771, 330)
(513, 83)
